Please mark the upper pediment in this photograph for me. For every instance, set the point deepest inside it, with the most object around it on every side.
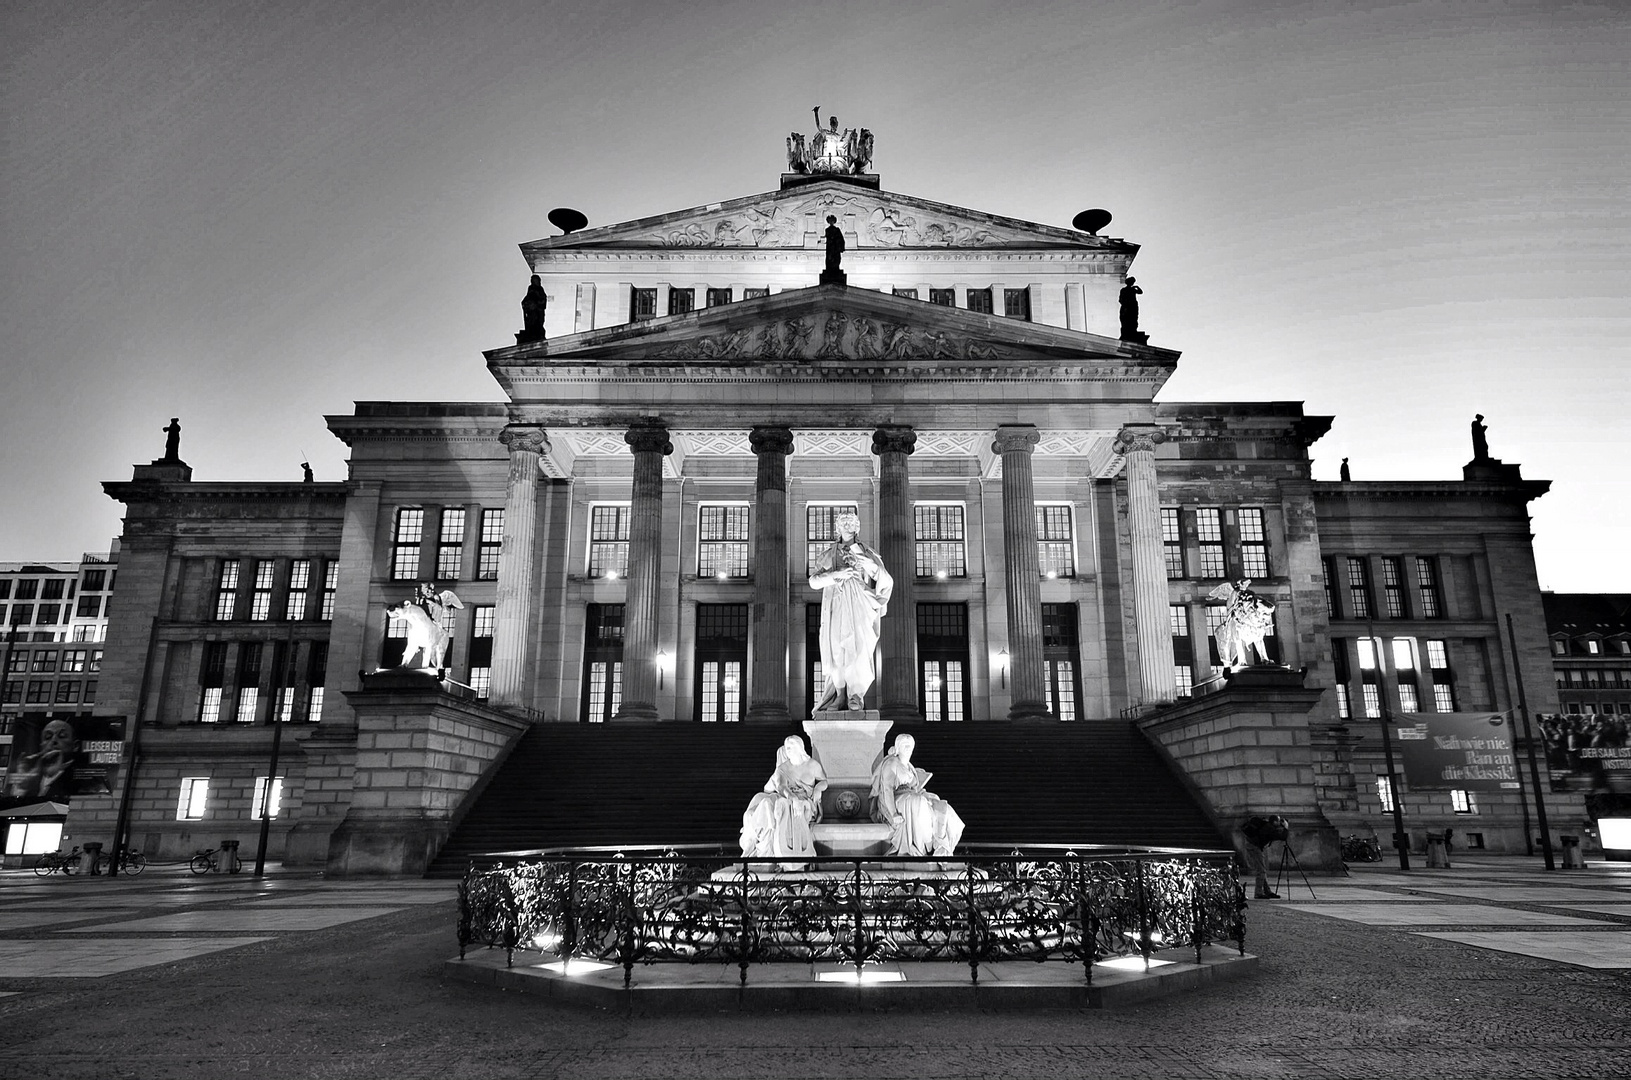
(796, 218)
(829, 323)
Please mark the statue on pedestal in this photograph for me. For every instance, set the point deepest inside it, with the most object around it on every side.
(776, 824)
(1480, 440)
(172, 441)
(829, 150)
(1130, 293)
(1247, 620)
(855, 590)
(533, 307)
(920, 823)
(834, 274)
(429, 616)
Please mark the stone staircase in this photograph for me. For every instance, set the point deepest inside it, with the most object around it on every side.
(670, 783)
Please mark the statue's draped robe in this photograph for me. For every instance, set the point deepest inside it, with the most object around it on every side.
(777, 821)
(850, 612)
(920, 823)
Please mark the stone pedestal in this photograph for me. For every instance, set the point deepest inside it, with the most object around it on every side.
(1244, 750)
(847, 745)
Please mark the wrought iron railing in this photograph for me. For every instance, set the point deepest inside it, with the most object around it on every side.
(698, 904)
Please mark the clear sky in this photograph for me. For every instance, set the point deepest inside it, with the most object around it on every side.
(249, 216)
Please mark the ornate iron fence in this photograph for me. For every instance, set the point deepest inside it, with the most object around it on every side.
(698, 904)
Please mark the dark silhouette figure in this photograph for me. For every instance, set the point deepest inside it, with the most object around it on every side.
(172, 440)
(533, 306)
(834, 274)
(307, 477)
(1346, 475)
(1480, 441)
(1130, 293)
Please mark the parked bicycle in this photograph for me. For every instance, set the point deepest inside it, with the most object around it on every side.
(130, 862)
(212, 859)
(1361, 849)
(54, 861)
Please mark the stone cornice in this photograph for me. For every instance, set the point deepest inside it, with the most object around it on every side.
(1361, 491)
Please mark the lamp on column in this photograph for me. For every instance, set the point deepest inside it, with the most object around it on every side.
(663, 661)
(1002, 667)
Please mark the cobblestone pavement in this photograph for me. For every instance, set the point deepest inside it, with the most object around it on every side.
(343, 979)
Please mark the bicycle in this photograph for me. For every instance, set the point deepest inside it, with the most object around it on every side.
(53, 861)
(207, 860)
(1361, 849)
(130, 862)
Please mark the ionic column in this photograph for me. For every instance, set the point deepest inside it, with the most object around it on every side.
(1151, 617)
(649, 443)
(1015, 442)
(516, 562)
(767, 700)
(896, 543)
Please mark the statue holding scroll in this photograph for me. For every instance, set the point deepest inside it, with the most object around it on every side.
(920, 822)
(855, 590)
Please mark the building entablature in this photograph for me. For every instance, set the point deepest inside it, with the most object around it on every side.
(298, 503)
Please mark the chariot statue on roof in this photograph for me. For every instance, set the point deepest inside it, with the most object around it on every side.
(830, 151)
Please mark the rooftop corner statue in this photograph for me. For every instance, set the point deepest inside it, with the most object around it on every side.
(429, 617)
(830, 151)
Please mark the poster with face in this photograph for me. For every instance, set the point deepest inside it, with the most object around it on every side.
(54, 758)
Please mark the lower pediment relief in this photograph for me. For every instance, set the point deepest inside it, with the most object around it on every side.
(830, 335)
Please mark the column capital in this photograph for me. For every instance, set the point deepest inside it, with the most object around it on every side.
(522, 438)
(895, 439)
(1139, 438)
(1015, 437)
(649, 437)
(771, 440)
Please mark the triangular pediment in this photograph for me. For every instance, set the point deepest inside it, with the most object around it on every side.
(829, 323)
(796, 218)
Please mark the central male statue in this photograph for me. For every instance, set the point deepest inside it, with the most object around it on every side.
(855, 589)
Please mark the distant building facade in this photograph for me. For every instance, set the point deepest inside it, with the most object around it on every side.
(630, 534)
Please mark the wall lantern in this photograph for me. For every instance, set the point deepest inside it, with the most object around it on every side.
(664, 662)
(1002, 667)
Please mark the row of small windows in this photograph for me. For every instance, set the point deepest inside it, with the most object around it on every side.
(1591, 647)
(723, 540)
(55, 614)
(1011, 303)
(1421, 674)
(1411, 588)
(1592, 678)
(446, 556)
(67, 661)
(47, 692)
(1461, 802)
(1220, 542)
(297, 596)
(55, 588)
(233, 693)
(194, 801)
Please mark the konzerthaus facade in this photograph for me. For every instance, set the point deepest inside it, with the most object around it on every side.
(629, 534)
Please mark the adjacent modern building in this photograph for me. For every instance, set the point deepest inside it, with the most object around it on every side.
(629, 533)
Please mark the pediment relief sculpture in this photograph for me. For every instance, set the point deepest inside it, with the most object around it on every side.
(832, 335)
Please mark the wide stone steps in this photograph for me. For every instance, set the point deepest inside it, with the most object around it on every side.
(672, 783)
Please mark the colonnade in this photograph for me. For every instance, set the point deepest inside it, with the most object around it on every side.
(768, 685)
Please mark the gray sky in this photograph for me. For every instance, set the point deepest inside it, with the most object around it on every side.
(249, 216)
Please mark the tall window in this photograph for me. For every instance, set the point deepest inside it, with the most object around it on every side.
(286, 676)
(939, 529)
(195, 794)
(1432, 598)
(405, 541)
(602, 662)
(681, 301)
(1328, 576)
(226, 590)
(1463, 802)
(1393, 588)
(260, 601)
(718, 296)
(481, 649)
(943, 297)
(1438, 669)
(1384, 793)
(1183, 650)
(980, 300)
(643, 304)
(394, 646)
(1370, 678)
(492, 542)
(316, 676)
(211, 675)
(450, 544)
(609, 541)
(1016, 303)
(331, 582)
(265, 785)
(721, 660)
(1254, 547)
(249, 677)
(1359, 606)
(1172, 541)
(299, 583)
(814, 677)
(1339, 660)
(1209, 532)
(1055, 544)
(722, 542)
(820, 530)
(942, 649)
(1060, 666)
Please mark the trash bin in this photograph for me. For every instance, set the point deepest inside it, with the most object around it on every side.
(90, 858)
(229, 857)
(1572, 859)
(1438, 851)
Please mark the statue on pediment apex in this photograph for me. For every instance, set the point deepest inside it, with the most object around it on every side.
(830, 151)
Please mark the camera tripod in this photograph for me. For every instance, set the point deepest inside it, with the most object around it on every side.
(1281, 875)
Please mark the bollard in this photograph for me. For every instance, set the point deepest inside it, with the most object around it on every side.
(1572, 858)
(229, 857)
(90, 857)
(1438, 851)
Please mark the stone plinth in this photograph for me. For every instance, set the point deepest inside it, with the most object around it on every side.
(419, 752)
(1244, 749)
(847, 745)
(851, 840)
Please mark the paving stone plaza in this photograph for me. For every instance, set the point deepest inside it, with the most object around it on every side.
(1492, 969)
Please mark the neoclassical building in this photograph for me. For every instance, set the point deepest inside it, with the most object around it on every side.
(630, 531)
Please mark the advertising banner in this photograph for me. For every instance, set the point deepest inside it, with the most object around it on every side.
(1590, 749)
(54, 758)
(1469, 751)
